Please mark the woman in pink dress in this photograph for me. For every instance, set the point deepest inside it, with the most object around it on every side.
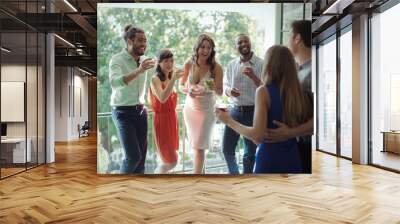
(202, 80)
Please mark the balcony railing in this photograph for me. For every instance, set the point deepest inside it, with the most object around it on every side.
(110, 153)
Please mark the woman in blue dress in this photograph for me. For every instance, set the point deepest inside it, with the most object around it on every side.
(281, 99)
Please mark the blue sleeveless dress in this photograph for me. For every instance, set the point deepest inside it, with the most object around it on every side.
(281, 157)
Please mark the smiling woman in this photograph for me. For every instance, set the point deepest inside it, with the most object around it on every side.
(177, 27)
(199, 107)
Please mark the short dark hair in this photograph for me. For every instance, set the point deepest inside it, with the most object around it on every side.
(303, 27)
(242, 35)
(130, 31)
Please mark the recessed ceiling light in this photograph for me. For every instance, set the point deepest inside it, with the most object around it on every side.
(5, 49)
(86, 72)
(64, 40)
(70, 5)
(337, 7)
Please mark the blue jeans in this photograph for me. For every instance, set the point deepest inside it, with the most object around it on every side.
(231, 139)
(131, 124)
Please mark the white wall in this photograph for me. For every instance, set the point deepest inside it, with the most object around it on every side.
(16, 73)
(12, 73)
(70, 83)
(81, 82)
(33, 126)
(61, 103)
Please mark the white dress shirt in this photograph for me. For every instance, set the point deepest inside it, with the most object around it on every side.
(234, 78)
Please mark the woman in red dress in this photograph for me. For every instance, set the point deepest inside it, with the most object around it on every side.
(163, 98)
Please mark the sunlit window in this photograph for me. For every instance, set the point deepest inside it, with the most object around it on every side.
(327, 97)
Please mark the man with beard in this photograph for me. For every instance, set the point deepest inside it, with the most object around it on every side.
(240, 83)
(127, 77)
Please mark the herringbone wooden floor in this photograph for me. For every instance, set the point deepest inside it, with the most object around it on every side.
(70, 191)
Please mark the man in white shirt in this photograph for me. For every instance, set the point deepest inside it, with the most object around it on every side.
(241, 79)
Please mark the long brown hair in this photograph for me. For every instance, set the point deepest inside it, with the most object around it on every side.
(280, 69)
(211, 58)
(162, 55)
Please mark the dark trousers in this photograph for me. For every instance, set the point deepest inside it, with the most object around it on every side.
(131, 123)
(304, 145)
(231, 139)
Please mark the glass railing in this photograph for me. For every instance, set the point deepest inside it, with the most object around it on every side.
(110, 153)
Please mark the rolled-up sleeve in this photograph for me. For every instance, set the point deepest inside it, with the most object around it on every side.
(115, 74)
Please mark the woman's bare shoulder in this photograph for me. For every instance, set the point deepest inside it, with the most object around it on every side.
(261, 91)
(155, 79)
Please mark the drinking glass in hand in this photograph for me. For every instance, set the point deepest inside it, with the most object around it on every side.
(244, 66)
(209, 83)
(222, 107)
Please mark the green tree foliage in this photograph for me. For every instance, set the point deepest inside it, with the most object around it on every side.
(175, 29)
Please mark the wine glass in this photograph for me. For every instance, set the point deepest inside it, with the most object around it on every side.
(244, 65)
(209, 83)
(236, 90)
